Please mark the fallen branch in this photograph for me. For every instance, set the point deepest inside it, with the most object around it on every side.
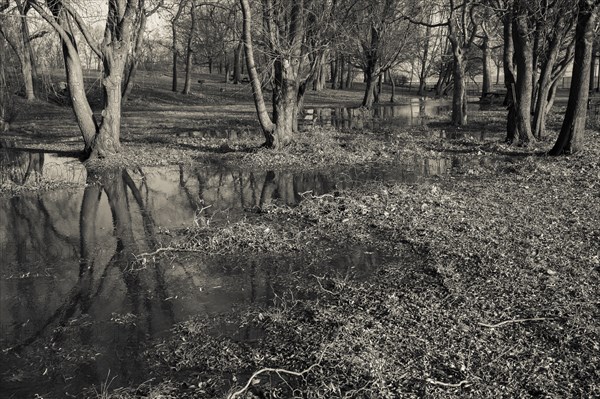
(513, 321)
(167, 249)
(321, 285)
(447, 384)
(278, 372)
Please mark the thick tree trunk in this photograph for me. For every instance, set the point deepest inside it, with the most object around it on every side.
(523, 89)
(341, 74)
(570, 139)
(370, 86)
(285, 104)
(459, 95)
(74, 73)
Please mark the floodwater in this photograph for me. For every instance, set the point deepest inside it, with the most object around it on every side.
(414, 113)
(75, 297)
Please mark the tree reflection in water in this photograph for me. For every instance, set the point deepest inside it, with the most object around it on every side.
(79, 322)
(77, 303)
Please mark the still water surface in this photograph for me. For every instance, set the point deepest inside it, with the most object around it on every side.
(72, 294)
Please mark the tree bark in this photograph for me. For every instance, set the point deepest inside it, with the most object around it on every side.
(393, 94)
(486, 85)
(423, 71)
(174, 37)
(266, 123)
(26, 59)
(459, 94)
(570, 139)
(134, 61)
(523, 89)
(189, 63)
(237, 63)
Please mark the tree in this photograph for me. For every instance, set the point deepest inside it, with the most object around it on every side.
(179, 6)
(461, 22)
(189, 60)
(570, 139)
(21, 43)
(379, 36)
(138, 43)
(293, 38)
(101, 138)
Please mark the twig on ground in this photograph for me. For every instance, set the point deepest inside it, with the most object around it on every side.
(513, 321)
(167, 249)
(447, 384)
(278, 372)
(321, 285)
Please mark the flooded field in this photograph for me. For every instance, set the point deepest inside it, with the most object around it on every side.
(77, 295)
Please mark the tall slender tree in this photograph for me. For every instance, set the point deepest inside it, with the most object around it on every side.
(570, 139)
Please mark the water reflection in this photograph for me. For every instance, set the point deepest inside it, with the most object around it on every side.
(414, 113)
(75, 298)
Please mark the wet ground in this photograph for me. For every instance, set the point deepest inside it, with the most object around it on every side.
(74, 291)
(357, 118)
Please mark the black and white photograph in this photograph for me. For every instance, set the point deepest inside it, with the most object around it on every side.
(312, 199)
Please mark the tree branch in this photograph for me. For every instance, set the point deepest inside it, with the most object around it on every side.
(83, 29)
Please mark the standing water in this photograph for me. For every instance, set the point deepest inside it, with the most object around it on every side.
(78, 303)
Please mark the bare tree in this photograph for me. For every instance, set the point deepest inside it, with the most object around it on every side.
(20, 42)
(291, 31)
(462, 23)
(379, 37)
(102, 139)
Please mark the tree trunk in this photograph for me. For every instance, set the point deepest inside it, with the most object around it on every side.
(459, 95)
(334, 70)
(391, 78)
(237, 63)
(26, 59)
(370, 86)
(181, 5)
(509, 77)
(349, 75)
(134, 61)
(524, 83)
(266, 123)
(541, 102)
(486, 85)
(74, 73)
(189, 63)
(570, 139)
(593, 70)
(423, 71)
